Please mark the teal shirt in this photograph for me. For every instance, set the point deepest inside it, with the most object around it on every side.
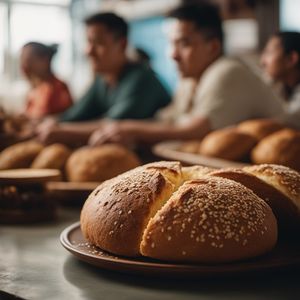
(137, 95)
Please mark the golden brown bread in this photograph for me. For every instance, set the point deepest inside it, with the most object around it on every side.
(100, 163)
(286, 210)
(281, 147)
(260, 128)
(210, 220)
(227, 143)
(52, 157)
(117, 213)
(19, 155)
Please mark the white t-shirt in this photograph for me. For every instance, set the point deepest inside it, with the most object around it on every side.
(292, 113)
(227, 93)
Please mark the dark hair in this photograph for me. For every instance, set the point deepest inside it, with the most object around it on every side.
(114, 23)
(205, 16)
(290, 40)
(43, 50)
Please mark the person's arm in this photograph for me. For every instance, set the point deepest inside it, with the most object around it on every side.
(127, 132)
(71, 134)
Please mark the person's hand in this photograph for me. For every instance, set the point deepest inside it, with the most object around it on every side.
(114, 132)
(48, 131)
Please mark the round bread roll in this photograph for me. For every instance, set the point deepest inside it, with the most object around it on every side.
(19, 155)
(259, 128)
(281, 147)
(227, 143)
(52, 157)
(100, 163)
(153, 211)
(266, 181)
(116, 213)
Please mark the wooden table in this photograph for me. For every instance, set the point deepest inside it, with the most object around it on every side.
(33, 265)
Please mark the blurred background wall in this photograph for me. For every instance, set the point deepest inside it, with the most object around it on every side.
(247, 25)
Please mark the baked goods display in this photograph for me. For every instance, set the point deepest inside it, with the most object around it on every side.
(184, 214)
(99, 163)
(82, 165)
(255, 141)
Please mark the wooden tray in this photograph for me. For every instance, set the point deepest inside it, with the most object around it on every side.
(169, 150)
(283, 256)
(28, 176)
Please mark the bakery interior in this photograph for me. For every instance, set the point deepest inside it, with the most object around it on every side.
(149, 149)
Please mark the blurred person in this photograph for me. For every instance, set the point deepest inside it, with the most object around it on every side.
(215, 91)
(121, 89)
(47, 95)
(281, 62)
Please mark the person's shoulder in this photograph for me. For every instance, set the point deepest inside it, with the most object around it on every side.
(134, 69)
(227, 64)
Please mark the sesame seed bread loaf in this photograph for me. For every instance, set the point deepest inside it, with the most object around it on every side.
(227, 143)
(210, 220)
(156, 210)
(286, 210)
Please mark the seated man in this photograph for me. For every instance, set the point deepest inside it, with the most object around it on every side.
(281, 62)
(220, 92)
(121, 89)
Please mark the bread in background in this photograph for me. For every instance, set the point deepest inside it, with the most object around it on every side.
(260, 128)
(99, 163)
(227, 143)
(20, 155)
(52, 157)
(281, 147)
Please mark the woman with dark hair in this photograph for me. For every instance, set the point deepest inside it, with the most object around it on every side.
(48, 95)
(281, 62)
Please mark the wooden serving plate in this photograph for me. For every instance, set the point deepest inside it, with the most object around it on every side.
(169, 150)
(284, 255)
(28, 176)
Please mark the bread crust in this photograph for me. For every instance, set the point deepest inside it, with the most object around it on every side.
(19, 155)
(281, 147)
(210, 220)
(286, 212)
(260, 128)
(52, 157)
(116, 213)
(99, 163)
(227, 143)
